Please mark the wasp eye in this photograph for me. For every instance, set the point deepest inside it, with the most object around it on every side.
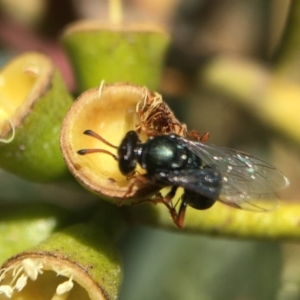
(127, 153)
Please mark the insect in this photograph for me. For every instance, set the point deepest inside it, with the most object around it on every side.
(206, 173)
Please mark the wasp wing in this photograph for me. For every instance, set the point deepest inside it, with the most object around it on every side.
(247, 181)
(205, 181)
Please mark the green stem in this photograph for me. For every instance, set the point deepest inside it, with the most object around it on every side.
(287, 60)
(274, 102)
(221, 220)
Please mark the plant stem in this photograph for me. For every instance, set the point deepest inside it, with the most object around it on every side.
(287, 59)
(221, 220)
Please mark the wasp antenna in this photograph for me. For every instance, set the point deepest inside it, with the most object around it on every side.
(98, 137)
(90, 151)
(89, 132)
(82, 151)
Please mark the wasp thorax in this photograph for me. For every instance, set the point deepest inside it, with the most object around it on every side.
(164, 152)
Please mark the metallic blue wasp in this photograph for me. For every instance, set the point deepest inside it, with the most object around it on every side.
(206, 173)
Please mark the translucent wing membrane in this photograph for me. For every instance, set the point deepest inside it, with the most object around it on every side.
(247, 182)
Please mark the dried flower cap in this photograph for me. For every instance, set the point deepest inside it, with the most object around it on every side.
(79, 262)
(111, 111)
(33, 102)
(131, 52)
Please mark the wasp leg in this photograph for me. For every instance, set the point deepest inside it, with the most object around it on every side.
(136, 178)
(135, 174)
(160, 199)
(177, 217)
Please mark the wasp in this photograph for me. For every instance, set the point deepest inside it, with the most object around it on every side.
(206, 173)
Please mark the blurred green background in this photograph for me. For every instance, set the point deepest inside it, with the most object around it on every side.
(172, 265)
